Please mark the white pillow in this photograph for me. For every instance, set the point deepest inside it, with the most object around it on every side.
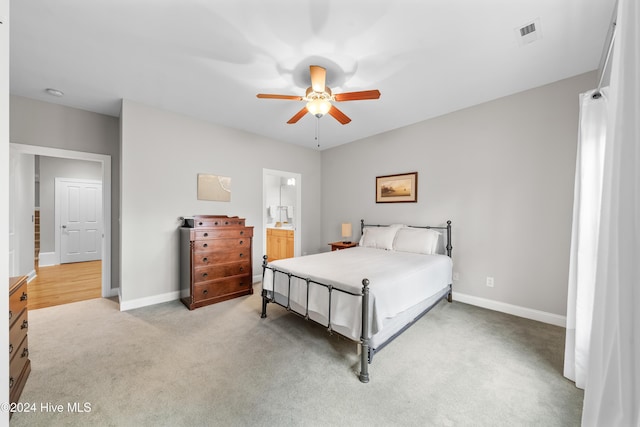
(416, 240)
(396, 226)
(378, 237)
(364, 231)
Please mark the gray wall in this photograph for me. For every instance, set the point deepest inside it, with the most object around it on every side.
(50, 169)
(162, 153)
(50, 125)
(502, 172)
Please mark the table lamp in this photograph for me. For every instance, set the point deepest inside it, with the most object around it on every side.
(346, 232)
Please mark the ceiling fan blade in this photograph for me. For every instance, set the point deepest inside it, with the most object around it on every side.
(355, 96)
(318, 78)
(339, 115)
(297, 116)
(271, 96)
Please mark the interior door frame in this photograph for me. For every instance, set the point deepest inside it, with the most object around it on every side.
(105, 161)
(297, 235)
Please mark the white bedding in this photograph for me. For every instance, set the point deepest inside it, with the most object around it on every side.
(398, 281)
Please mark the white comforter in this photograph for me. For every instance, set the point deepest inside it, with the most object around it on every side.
(398, 281)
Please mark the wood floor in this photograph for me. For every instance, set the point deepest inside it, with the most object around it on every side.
(65, 283)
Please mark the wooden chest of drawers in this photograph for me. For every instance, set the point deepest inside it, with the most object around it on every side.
(215, 260)
(19, 363)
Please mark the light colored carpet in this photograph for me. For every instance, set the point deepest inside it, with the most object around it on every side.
(222, 365)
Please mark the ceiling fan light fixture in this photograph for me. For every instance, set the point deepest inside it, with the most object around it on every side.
(318, 107)
(319, 98)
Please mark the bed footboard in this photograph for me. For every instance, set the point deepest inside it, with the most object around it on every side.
(365, 354)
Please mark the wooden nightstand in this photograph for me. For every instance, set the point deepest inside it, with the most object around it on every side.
(336, 246)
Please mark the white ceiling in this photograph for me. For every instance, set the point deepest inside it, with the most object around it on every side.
(208, 59)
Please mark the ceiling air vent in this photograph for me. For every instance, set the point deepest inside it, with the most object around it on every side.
(527, 29)
(529, 32)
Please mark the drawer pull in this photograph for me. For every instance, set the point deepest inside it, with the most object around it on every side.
(216, 223)
(241, 255)
(242, 233)
(206, 234)
(10, 314)
(24, 325)
(241, 269)
(10, 348)
(205, 259)
(241, 242)
(205, 274)
(226, 223)
(25, 352)
(206, 245)
(206, 291)
(23, 297)
(200, 223)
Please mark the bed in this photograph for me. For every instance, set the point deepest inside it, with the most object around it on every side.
(371, 293)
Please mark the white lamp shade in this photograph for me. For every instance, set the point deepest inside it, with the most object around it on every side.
(318, 107)
(346, 229)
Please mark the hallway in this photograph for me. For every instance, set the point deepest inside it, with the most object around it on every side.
(65, 283)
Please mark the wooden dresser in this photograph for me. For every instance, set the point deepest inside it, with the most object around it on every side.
(19, 365)
(215, 260)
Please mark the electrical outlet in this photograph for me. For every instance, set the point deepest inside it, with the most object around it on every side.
(490, 282)
(456, 276)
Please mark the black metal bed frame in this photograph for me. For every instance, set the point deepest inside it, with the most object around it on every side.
(367, 352)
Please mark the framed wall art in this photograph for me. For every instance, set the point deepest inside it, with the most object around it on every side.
(401, 188)
(214, 187)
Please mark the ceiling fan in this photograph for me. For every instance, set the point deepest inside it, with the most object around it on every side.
(319, 97)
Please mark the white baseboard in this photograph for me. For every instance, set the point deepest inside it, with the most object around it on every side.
(45, 259)
(527, 313)
(32, 275)
(146, 301)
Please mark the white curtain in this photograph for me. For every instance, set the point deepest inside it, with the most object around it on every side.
(612, 392)
(584, 234)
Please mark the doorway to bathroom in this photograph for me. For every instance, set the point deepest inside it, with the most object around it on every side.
(281, 214)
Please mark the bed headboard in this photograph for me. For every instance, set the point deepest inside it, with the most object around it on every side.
(447, 243)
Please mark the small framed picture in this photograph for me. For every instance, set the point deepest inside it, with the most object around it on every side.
(401, 188)
(214, 187)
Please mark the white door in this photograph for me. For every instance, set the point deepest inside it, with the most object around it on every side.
(14, 166)
(79, 219)
(21, 210)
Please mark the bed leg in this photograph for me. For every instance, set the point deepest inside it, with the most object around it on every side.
(450, 294)
(264, 292)
(364, 351)
(264, 304)
(364, 363)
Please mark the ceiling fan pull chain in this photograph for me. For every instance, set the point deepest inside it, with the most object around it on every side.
(318, 131)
